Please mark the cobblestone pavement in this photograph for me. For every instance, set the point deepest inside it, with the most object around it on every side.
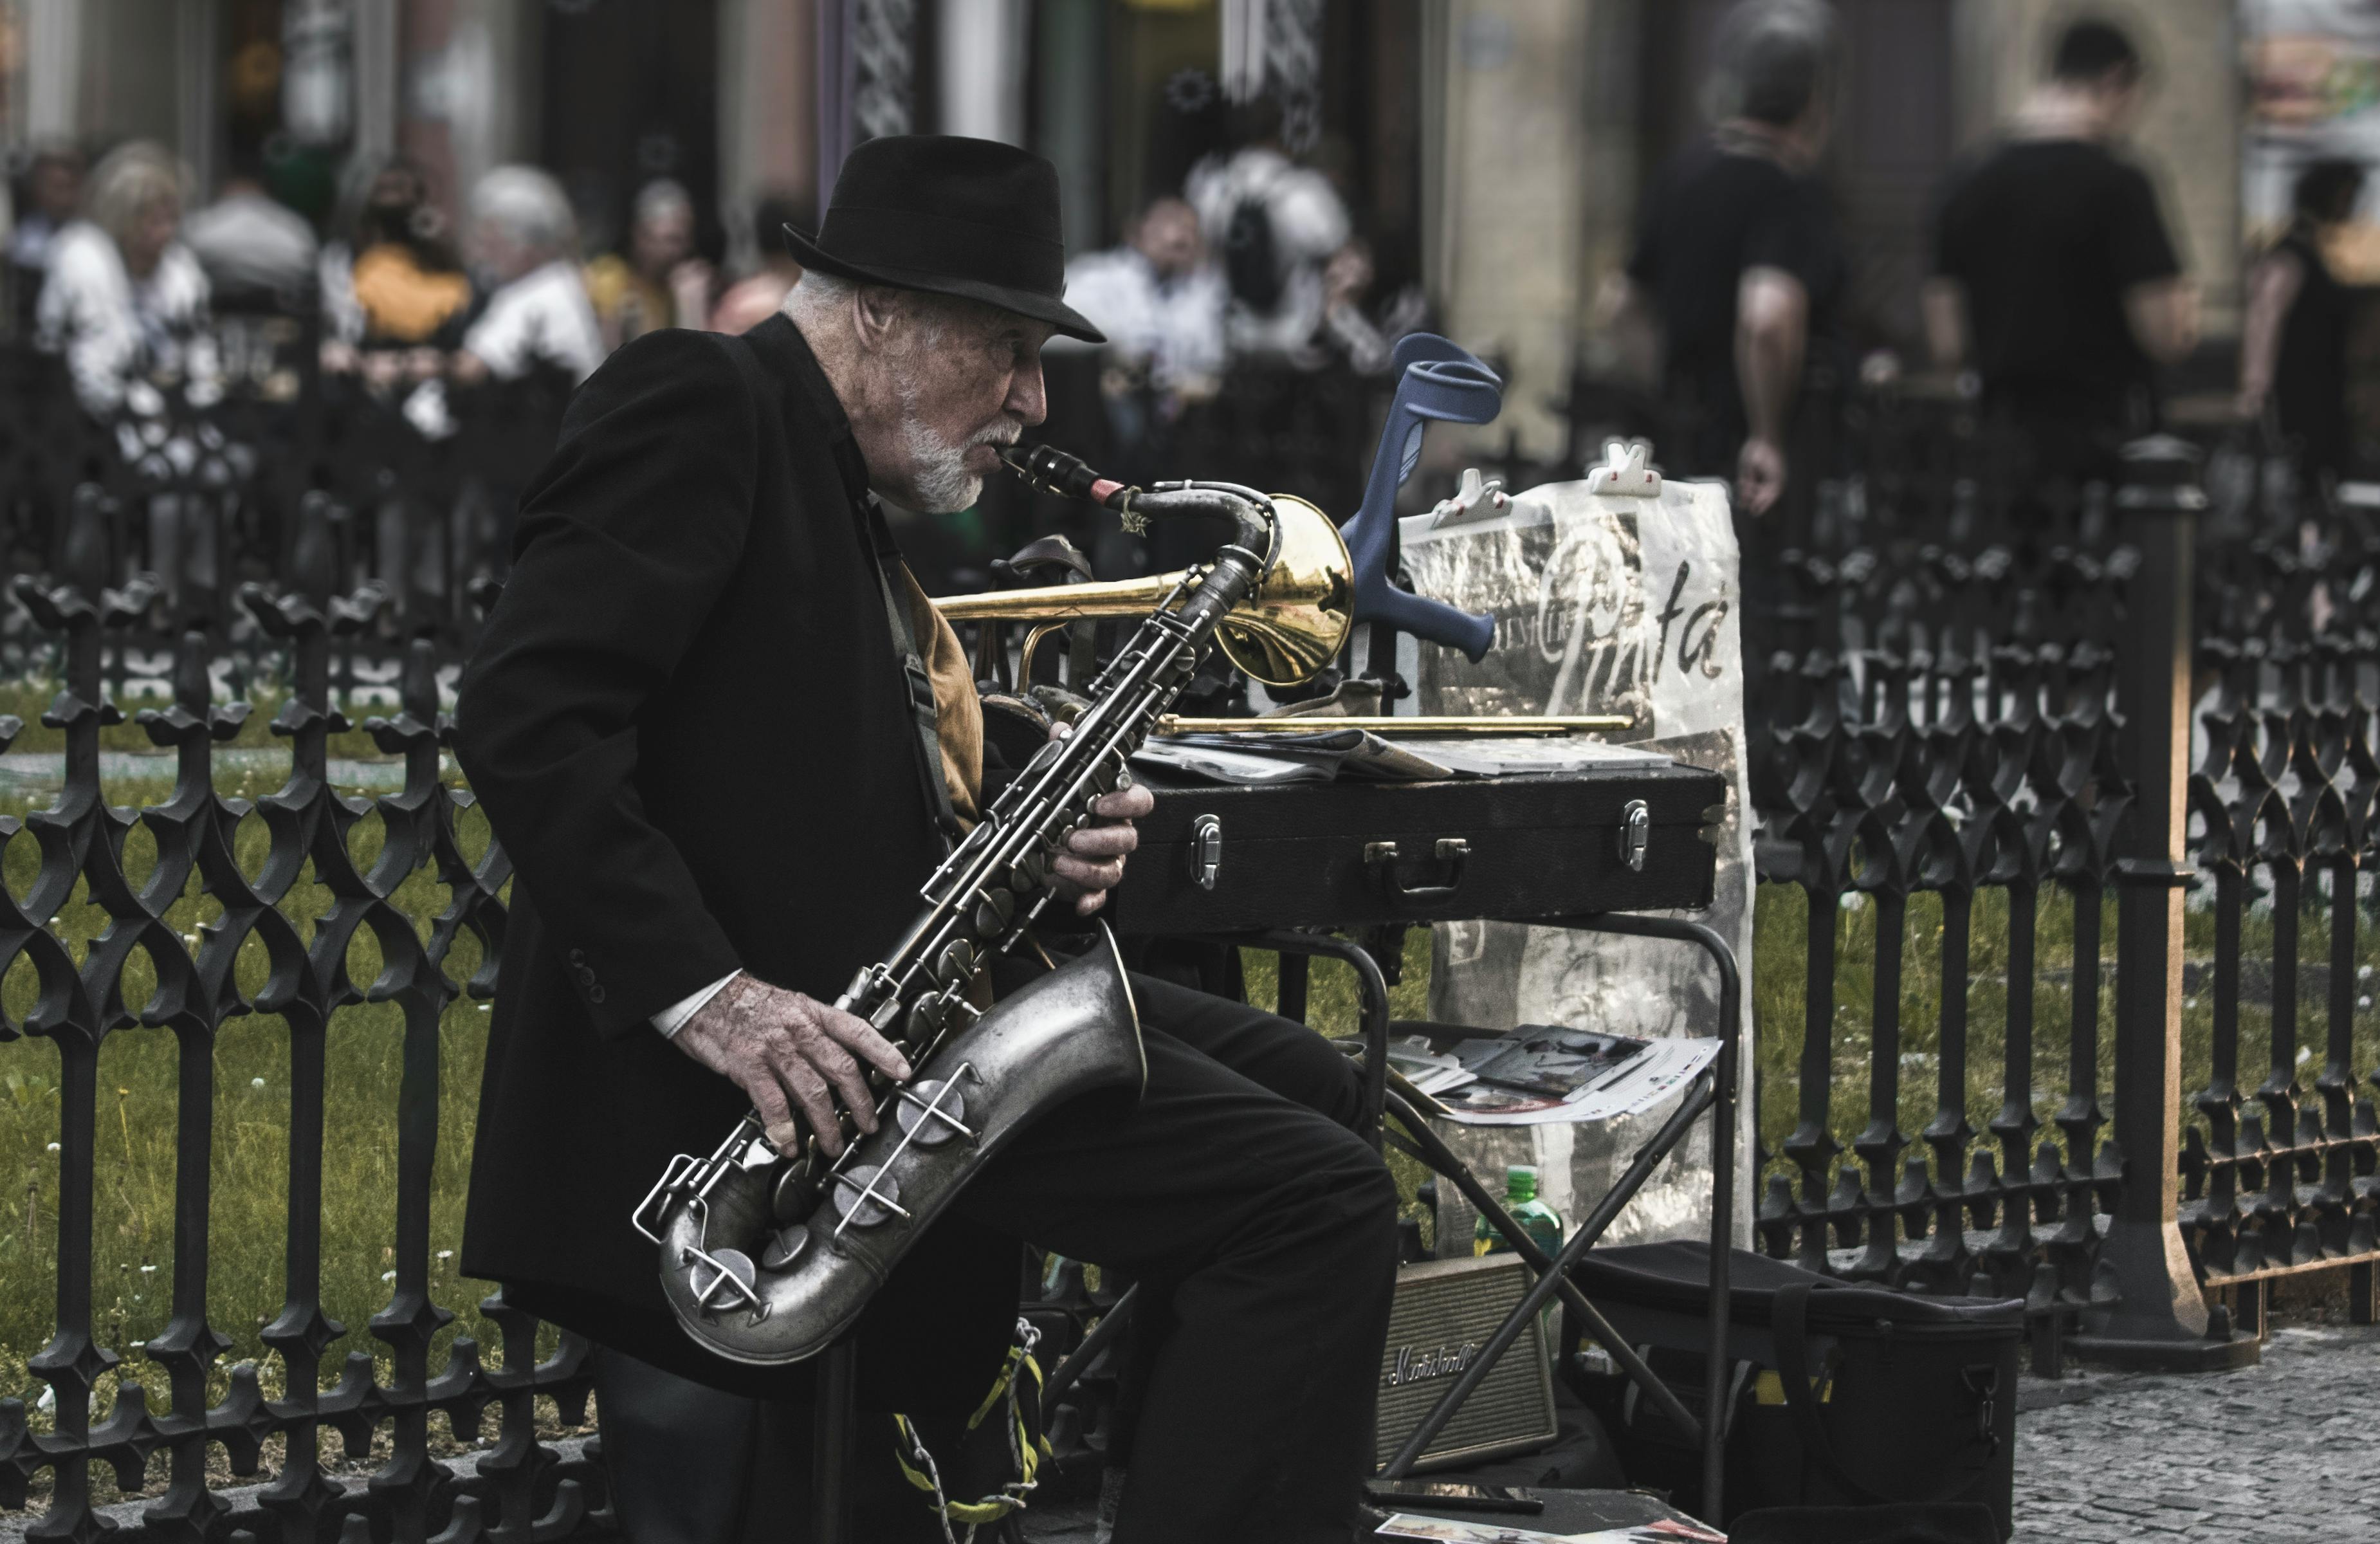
(2275, 1454)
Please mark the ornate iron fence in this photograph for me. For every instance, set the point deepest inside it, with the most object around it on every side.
(2010, 736)
(522, 1489)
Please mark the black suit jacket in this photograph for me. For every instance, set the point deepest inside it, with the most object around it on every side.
(688, 728)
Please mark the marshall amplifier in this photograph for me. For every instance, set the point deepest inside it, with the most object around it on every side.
(1444, 1312)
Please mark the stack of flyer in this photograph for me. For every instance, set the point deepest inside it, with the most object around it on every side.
(1448, 1530)
(1540, 1073)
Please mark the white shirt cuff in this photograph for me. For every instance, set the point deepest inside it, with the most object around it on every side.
(670, 1020)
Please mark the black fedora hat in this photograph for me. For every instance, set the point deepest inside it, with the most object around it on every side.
(956, 216)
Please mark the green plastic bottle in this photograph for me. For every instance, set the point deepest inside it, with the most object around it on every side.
(1543, 1222)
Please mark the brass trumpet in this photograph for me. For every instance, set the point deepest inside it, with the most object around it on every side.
(1294, 625)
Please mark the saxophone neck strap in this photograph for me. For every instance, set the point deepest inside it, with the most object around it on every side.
(884, 556)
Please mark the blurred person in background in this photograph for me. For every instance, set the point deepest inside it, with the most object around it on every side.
(52, 198)
(523, 242)
(755, 297)
(1738, 262)
(660, 281)
(259, 253)
(125, 299)
(1160, 301)
(2293, 349)
(1275, 225)
(2055, 281)
(394, 295)
(1364, 338)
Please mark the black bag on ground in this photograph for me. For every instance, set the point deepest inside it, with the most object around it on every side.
(1839, 1394)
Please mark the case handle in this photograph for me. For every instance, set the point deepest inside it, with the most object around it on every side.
(1381, 859)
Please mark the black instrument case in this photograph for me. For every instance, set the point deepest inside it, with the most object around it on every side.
(1216, 858)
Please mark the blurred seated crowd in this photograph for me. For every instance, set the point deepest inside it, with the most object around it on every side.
(1252, 268)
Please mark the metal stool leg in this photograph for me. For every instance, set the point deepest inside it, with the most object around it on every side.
(1293, 987)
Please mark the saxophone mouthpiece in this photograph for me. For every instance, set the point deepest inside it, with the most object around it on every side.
(1053, 471)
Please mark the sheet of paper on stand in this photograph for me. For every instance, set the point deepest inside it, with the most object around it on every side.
(1356, 755)
(1449, 1530)
(1539, 1074)
(1432, 1071)
(1452, 1530)
(1546, 1058)
(1233, 765)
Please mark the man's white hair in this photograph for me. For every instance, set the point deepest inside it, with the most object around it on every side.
(529, 206)
(821, 299)
(817, 299)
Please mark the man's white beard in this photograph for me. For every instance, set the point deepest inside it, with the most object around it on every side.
(944, 484)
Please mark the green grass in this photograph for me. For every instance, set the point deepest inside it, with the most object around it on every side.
(1779, 973)
(28, 701)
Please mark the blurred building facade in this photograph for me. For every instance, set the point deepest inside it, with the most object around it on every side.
(1494, 150)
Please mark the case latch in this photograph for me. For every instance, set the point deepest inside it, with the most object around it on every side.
(1635, 834)
(1206, 849)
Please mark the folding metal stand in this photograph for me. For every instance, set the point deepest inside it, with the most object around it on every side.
(1712, 1090)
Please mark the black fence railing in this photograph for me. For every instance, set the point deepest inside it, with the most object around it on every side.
(2067, 787)
(193, 940)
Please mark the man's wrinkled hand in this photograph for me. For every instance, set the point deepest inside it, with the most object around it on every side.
(1092, 861)
(789, 1054)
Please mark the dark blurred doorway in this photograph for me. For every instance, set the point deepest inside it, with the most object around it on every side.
(631, 93)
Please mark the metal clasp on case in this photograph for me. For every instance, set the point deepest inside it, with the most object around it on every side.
(1206, 849)
(1635, 834)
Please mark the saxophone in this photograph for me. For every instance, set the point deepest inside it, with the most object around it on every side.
(768, 1256)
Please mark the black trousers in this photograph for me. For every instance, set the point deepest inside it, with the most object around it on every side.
(1263, 1231)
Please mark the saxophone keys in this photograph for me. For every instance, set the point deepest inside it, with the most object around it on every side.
(927, 1017)
(931, 1112)
(784, 1246)
(730, 1283)
(955, 963)
(795, 1195)
(992, 912)
(866, 1196)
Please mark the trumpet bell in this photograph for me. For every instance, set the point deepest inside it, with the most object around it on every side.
(1295, 626)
